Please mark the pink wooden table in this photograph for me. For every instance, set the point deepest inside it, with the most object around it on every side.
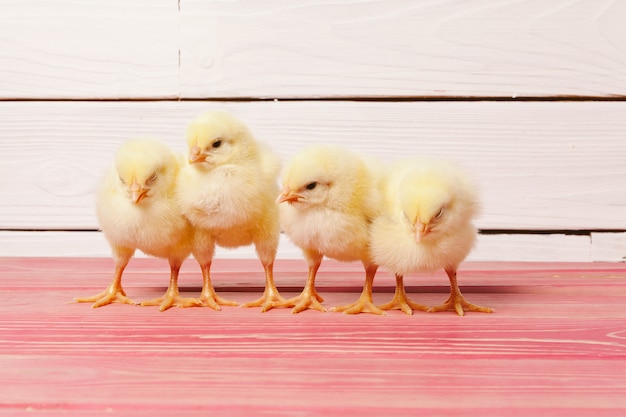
(555, 346)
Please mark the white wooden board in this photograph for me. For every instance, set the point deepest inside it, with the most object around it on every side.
(90, 48)
(541, 248)
(540, 165)
(608, 247)
(314, 48)
(556, 165)
(402, 48)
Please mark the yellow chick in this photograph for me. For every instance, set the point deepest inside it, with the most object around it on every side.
(329, 198)
(227, 192)
(136, 209)
(426, 225)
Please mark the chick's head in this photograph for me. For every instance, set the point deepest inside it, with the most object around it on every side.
(323, 175)
(435, 204)
(146, 168)
(216, 138)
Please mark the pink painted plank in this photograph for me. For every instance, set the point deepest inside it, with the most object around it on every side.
(555, 346)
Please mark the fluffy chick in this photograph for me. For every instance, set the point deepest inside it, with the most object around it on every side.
(426, 225)
(329, 198)
(136, 209)
(227, 192)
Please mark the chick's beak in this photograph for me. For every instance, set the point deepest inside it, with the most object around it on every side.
(421, 230)
(287, 195)
(196, 155)
(137, 193)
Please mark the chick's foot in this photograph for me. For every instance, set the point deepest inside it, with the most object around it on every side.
(172, 299)
(364, 304)
(214, 301)
(271, 298)
(456, 302)
(308, 299)
(113, 294)
(401, 301)
(404, 303)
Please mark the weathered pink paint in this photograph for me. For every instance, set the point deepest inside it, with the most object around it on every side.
(556, 344)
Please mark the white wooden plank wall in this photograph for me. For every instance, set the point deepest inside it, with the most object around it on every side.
(530, 95)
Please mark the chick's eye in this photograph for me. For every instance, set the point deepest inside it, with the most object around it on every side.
(311, 185)
(439, 213)
(122, 180)
(217, 143)
(152, 178)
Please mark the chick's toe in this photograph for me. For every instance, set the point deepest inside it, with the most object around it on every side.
(403, 303)
(214, 301)
(172, 299)
(401, 300)
(113, 294)
(456, 302)
(362, 305)
(269, 300)
(308, 299)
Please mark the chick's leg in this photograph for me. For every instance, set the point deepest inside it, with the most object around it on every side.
(203, 250)
(114, 293)
(309, 298)
(456, 301)
(266, 245)
(365, 303)
(271, 297)
(172, 297)
(401, 300)
(209, 297)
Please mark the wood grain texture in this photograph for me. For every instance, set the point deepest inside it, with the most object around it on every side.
(402, 48)
(555, 346)
(115, 49)
(557, 165)
(92, 48)
(505, 247)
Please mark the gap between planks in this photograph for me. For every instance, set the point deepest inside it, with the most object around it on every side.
(363, 98)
